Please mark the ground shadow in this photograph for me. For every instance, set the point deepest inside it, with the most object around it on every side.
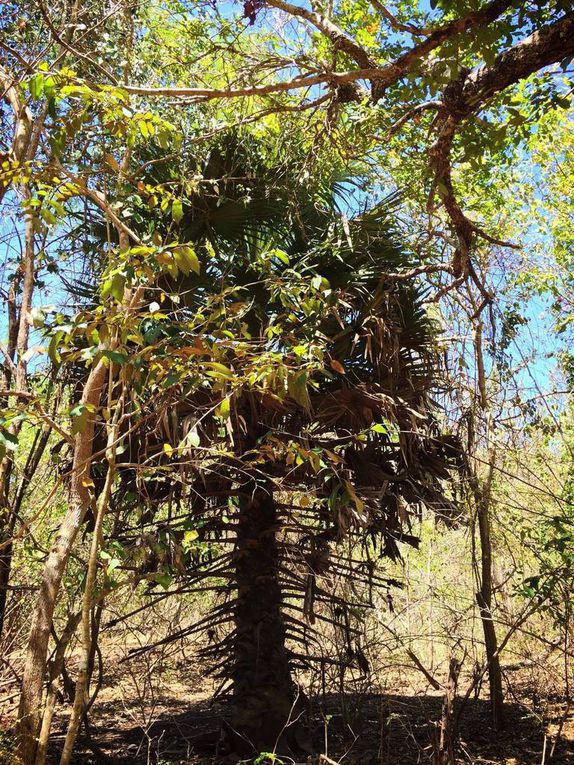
(363, 729)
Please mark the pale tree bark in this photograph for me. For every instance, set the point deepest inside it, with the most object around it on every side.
(25, 141)
(56, 667)
(80, 697)
(23, 121)
(80, 495)
(30, 709)
(80, 501)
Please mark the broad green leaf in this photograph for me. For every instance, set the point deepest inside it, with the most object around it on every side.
(115, 356)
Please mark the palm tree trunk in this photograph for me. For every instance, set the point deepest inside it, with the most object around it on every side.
(263, 689)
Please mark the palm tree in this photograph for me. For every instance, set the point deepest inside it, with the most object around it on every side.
(330, 434)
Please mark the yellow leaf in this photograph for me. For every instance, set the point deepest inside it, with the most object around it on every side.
(224, 409)
(359, 504)
(220, 368)
(190, 536)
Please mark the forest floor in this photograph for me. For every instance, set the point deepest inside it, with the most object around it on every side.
(163, 713)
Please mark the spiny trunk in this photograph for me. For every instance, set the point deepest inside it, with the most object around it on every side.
(263, 689)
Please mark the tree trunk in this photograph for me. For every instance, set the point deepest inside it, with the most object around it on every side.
(18, 333)
(484, 600)
(30, 710)
(263, 689)
(9, 515)
(6, 532)
(83, 680)
(483, 500)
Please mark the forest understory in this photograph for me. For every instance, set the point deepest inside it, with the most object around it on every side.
(160, 705)
(171, 717)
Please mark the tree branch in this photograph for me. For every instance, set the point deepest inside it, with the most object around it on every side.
(379, 76)
(467, 95)
(23, 121)
(340, 39)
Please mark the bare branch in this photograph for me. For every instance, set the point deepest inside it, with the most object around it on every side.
(340, 39)
(416, 110)
(395, 23)
(380, 76)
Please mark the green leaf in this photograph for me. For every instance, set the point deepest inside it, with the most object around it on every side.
(54, 347)
(115, 287)
(182, 262)
(79, 419)
(224, 409)
(36, 86)
(115, 356)
(192, 438)
(220, 370)
(8, 441)
(118, 285)
(280, 255)
(144, 128)
(164, 579)
(177, 210)
(112, 565)
(297, 385)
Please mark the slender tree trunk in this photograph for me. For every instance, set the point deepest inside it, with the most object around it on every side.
(8, 521)
(6, 532)
(483, 494)
(30, 710)
(484, 600)
(56, 667)
(82, 683)
(263, 689)
(19, 333)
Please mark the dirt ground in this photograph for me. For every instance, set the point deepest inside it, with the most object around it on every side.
(186, 738)
(173, 720)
